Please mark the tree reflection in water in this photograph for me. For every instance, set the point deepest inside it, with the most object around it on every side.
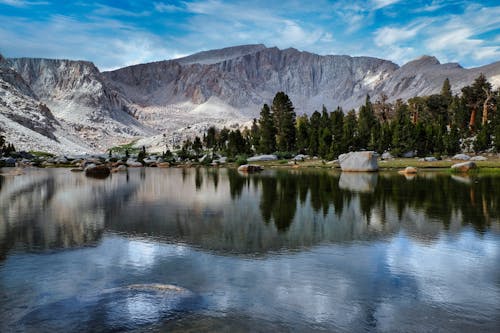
(222, 209)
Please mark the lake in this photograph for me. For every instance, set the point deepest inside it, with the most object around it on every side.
(215, 250)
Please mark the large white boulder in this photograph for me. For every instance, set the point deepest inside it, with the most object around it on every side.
(462, 157)
(262, 158)
(359, 161)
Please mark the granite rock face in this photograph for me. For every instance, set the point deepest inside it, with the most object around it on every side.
(359, 161)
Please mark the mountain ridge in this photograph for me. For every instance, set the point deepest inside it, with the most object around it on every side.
(225, 87)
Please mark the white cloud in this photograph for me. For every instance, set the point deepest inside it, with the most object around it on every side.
(65, 37)
(166, 7)
(388, 35)
(22, 3)
(378, 4)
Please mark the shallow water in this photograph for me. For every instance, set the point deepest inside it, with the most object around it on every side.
(281, 250)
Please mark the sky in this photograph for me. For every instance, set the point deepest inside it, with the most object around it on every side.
(114, 34)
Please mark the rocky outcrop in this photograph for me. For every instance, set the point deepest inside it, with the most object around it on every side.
(359, 161)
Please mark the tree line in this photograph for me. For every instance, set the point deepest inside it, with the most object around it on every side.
(438, 124)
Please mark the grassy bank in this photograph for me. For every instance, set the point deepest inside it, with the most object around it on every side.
(493, 163)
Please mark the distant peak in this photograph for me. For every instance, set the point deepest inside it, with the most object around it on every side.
(219, 55)
(425, 59)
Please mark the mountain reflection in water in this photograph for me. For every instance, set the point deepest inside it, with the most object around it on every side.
(223, 210)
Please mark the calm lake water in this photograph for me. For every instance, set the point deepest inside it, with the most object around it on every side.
(276, 251)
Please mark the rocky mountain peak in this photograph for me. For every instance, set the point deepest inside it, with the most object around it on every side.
(215, 56)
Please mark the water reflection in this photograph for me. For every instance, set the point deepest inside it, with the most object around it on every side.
(225, 210)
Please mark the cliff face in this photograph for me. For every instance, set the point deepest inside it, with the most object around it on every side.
(84, 106)
(224, 87)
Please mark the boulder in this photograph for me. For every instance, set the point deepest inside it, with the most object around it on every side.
(462, 157)
(464, 166)
(300, 157)
(387, 156)
(359, 161)
(250, 168)
(163, 165)
(478, 158)
(97, 171)
(133, 164)
(409, 154)
(259, 158)
(8, 162)
(408, 171)
(430, 159)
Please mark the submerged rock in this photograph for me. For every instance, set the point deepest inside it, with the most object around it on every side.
(464, 166)
(408, 171)
(250, 168)
(359, 161)
(97, 171)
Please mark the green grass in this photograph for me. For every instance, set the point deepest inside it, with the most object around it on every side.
(121, 149)
(41, 154)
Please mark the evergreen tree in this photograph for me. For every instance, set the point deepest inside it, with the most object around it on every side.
(236, 143)
(403, 130)
(210, 138)
(314, 133)
(325, 135)
(302, 134)
(284, 121)
(267, 142)
(366, 122)
(197, 146)
(452, 141)
(337, 123)
(255, 134)
(222, 139)
(446, 91)
(349, 134)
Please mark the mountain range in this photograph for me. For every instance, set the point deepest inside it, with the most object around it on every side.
(68, 106)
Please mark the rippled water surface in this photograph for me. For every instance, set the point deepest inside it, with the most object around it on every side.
(215, 250)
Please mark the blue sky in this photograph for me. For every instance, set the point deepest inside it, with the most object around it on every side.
(113, 34)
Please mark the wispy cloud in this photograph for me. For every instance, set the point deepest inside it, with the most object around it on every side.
(22, 3)
(163, 7)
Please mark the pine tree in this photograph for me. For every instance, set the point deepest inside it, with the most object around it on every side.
(254, 134)
(314, 133)
(446, 91)
(197, 146)
(302, 134)
(284, 121)
(349, 132)
(267, 142)
(210, 138)
(337, 123)
(366, 122)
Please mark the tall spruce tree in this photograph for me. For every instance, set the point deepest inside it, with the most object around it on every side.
(267, 142)
(314, 132)
(284, 121)
(302, 134)
(349, 132)
(366, 123)
(337, 123)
